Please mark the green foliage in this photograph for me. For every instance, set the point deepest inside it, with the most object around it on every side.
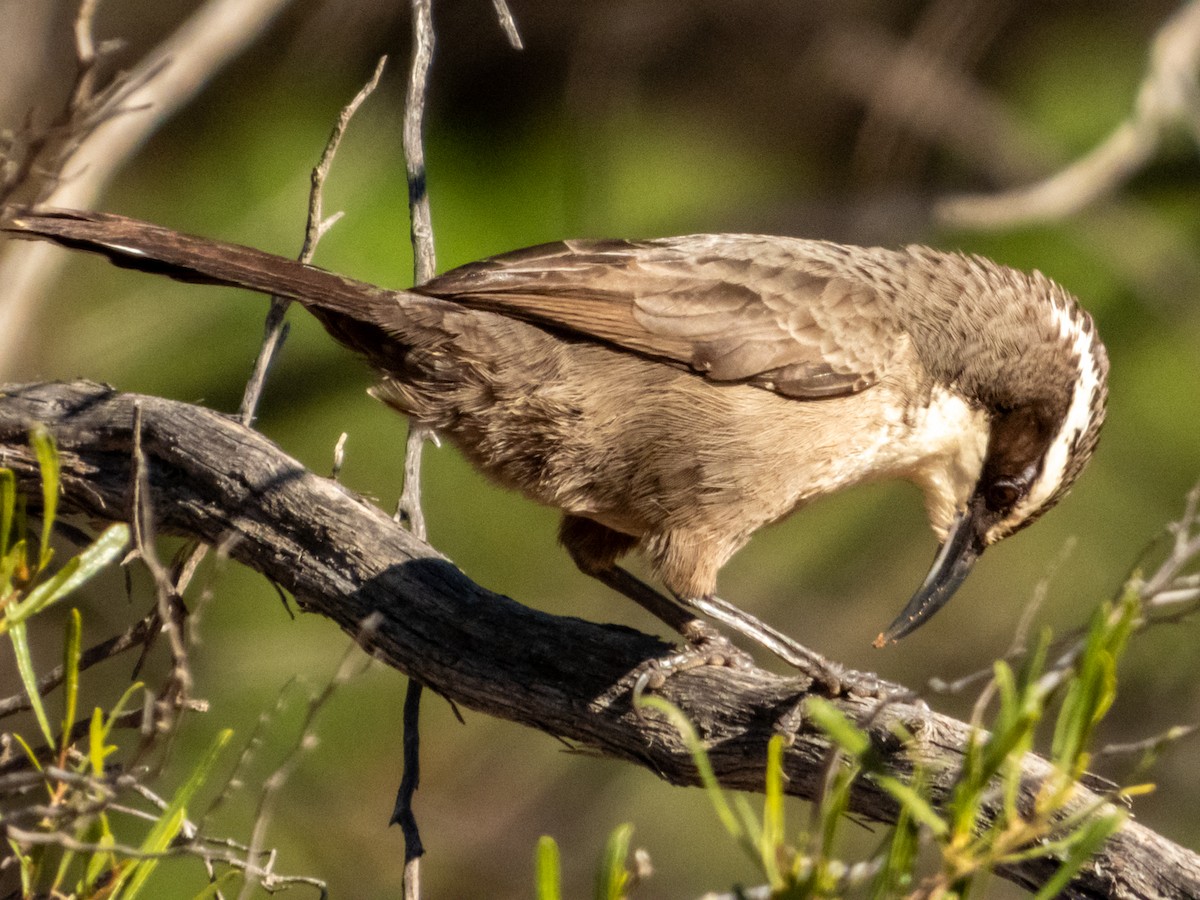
(991, 817)
(548, 869)
(74, 847)
(613, 879)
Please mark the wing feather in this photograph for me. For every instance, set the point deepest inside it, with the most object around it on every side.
(787, 314)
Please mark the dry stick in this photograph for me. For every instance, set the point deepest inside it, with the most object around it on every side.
(409, 506)
(165, 80)
(169, 613)
(198, 848)
(508, 24)
(317, 224)
(345, 559)
(275, 333)
(420, 228)
(1169, 96)
(305, 741)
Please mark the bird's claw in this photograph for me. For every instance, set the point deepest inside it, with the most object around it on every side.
(705, 646)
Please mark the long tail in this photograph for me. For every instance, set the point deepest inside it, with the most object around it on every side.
(134, 244)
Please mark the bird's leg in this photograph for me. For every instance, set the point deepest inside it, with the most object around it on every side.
(835, 678)
(595, 548)
(705, 644)
(828, 674)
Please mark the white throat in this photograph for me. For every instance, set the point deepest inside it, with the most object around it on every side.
(943, 454)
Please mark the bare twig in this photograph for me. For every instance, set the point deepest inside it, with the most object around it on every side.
(508, 24)
(170, 610)
(1170, 579)
(165, 80)
(410, 780)
(1169, 98)
(306, 740)
(275, 329)
(409, 506)
(420, 229)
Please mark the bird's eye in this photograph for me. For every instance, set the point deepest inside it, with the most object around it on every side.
(1003, 493)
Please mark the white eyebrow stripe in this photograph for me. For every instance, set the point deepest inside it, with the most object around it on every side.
(1074, 329)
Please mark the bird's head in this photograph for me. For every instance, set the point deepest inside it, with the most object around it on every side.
(1038, 389)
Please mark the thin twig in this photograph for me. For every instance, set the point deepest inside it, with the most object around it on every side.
(275, 328)
(508, 24)
(409, 507)
(170, 611)
(158, 86)
(306, 740)
(421, 232)
(410, 780)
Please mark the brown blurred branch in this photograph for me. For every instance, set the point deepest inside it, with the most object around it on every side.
(210, 477)
(1168, 99)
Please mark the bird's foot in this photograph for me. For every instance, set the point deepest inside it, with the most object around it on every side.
(703, 645)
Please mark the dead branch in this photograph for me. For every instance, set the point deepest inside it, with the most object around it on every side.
(212, 478)
(1168, 99)
(161, 83)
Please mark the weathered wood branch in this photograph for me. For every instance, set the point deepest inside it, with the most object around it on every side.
(345, 559)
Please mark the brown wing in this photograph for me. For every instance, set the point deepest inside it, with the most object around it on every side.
(783, 313)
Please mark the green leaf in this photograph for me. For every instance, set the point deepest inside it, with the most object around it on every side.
(20, 642)
(912, 803)
(47, 456)
(740, 824)
(214, 888)
(28, 751)
(773, 814)
(169, 822)
(613, 877)
(1083, 845)
(840, 730)
(96, 748)
(8, 504)
(101, 726)
(548, 869)
(99, 862)
(77, 571)
(11, 565)
(26, 864)
(71, 652)
(703, 766)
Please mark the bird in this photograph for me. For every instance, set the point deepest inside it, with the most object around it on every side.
(673, 395)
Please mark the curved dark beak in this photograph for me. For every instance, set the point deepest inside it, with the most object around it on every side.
(950, 568)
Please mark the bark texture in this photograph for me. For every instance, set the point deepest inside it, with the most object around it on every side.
(343, 558)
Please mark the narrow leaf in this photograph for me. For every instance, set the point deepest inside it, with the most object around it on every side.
(8, 504)
(77, 571)
(20, 642)
(548, 869)
(1084, 845)
(840, 730)
(171, 820)
(613, 877)
(71, 652)
(773, 814)
(47, 456)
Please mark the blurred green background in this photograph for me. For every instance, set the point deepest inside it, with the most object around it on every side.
(628, 118)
